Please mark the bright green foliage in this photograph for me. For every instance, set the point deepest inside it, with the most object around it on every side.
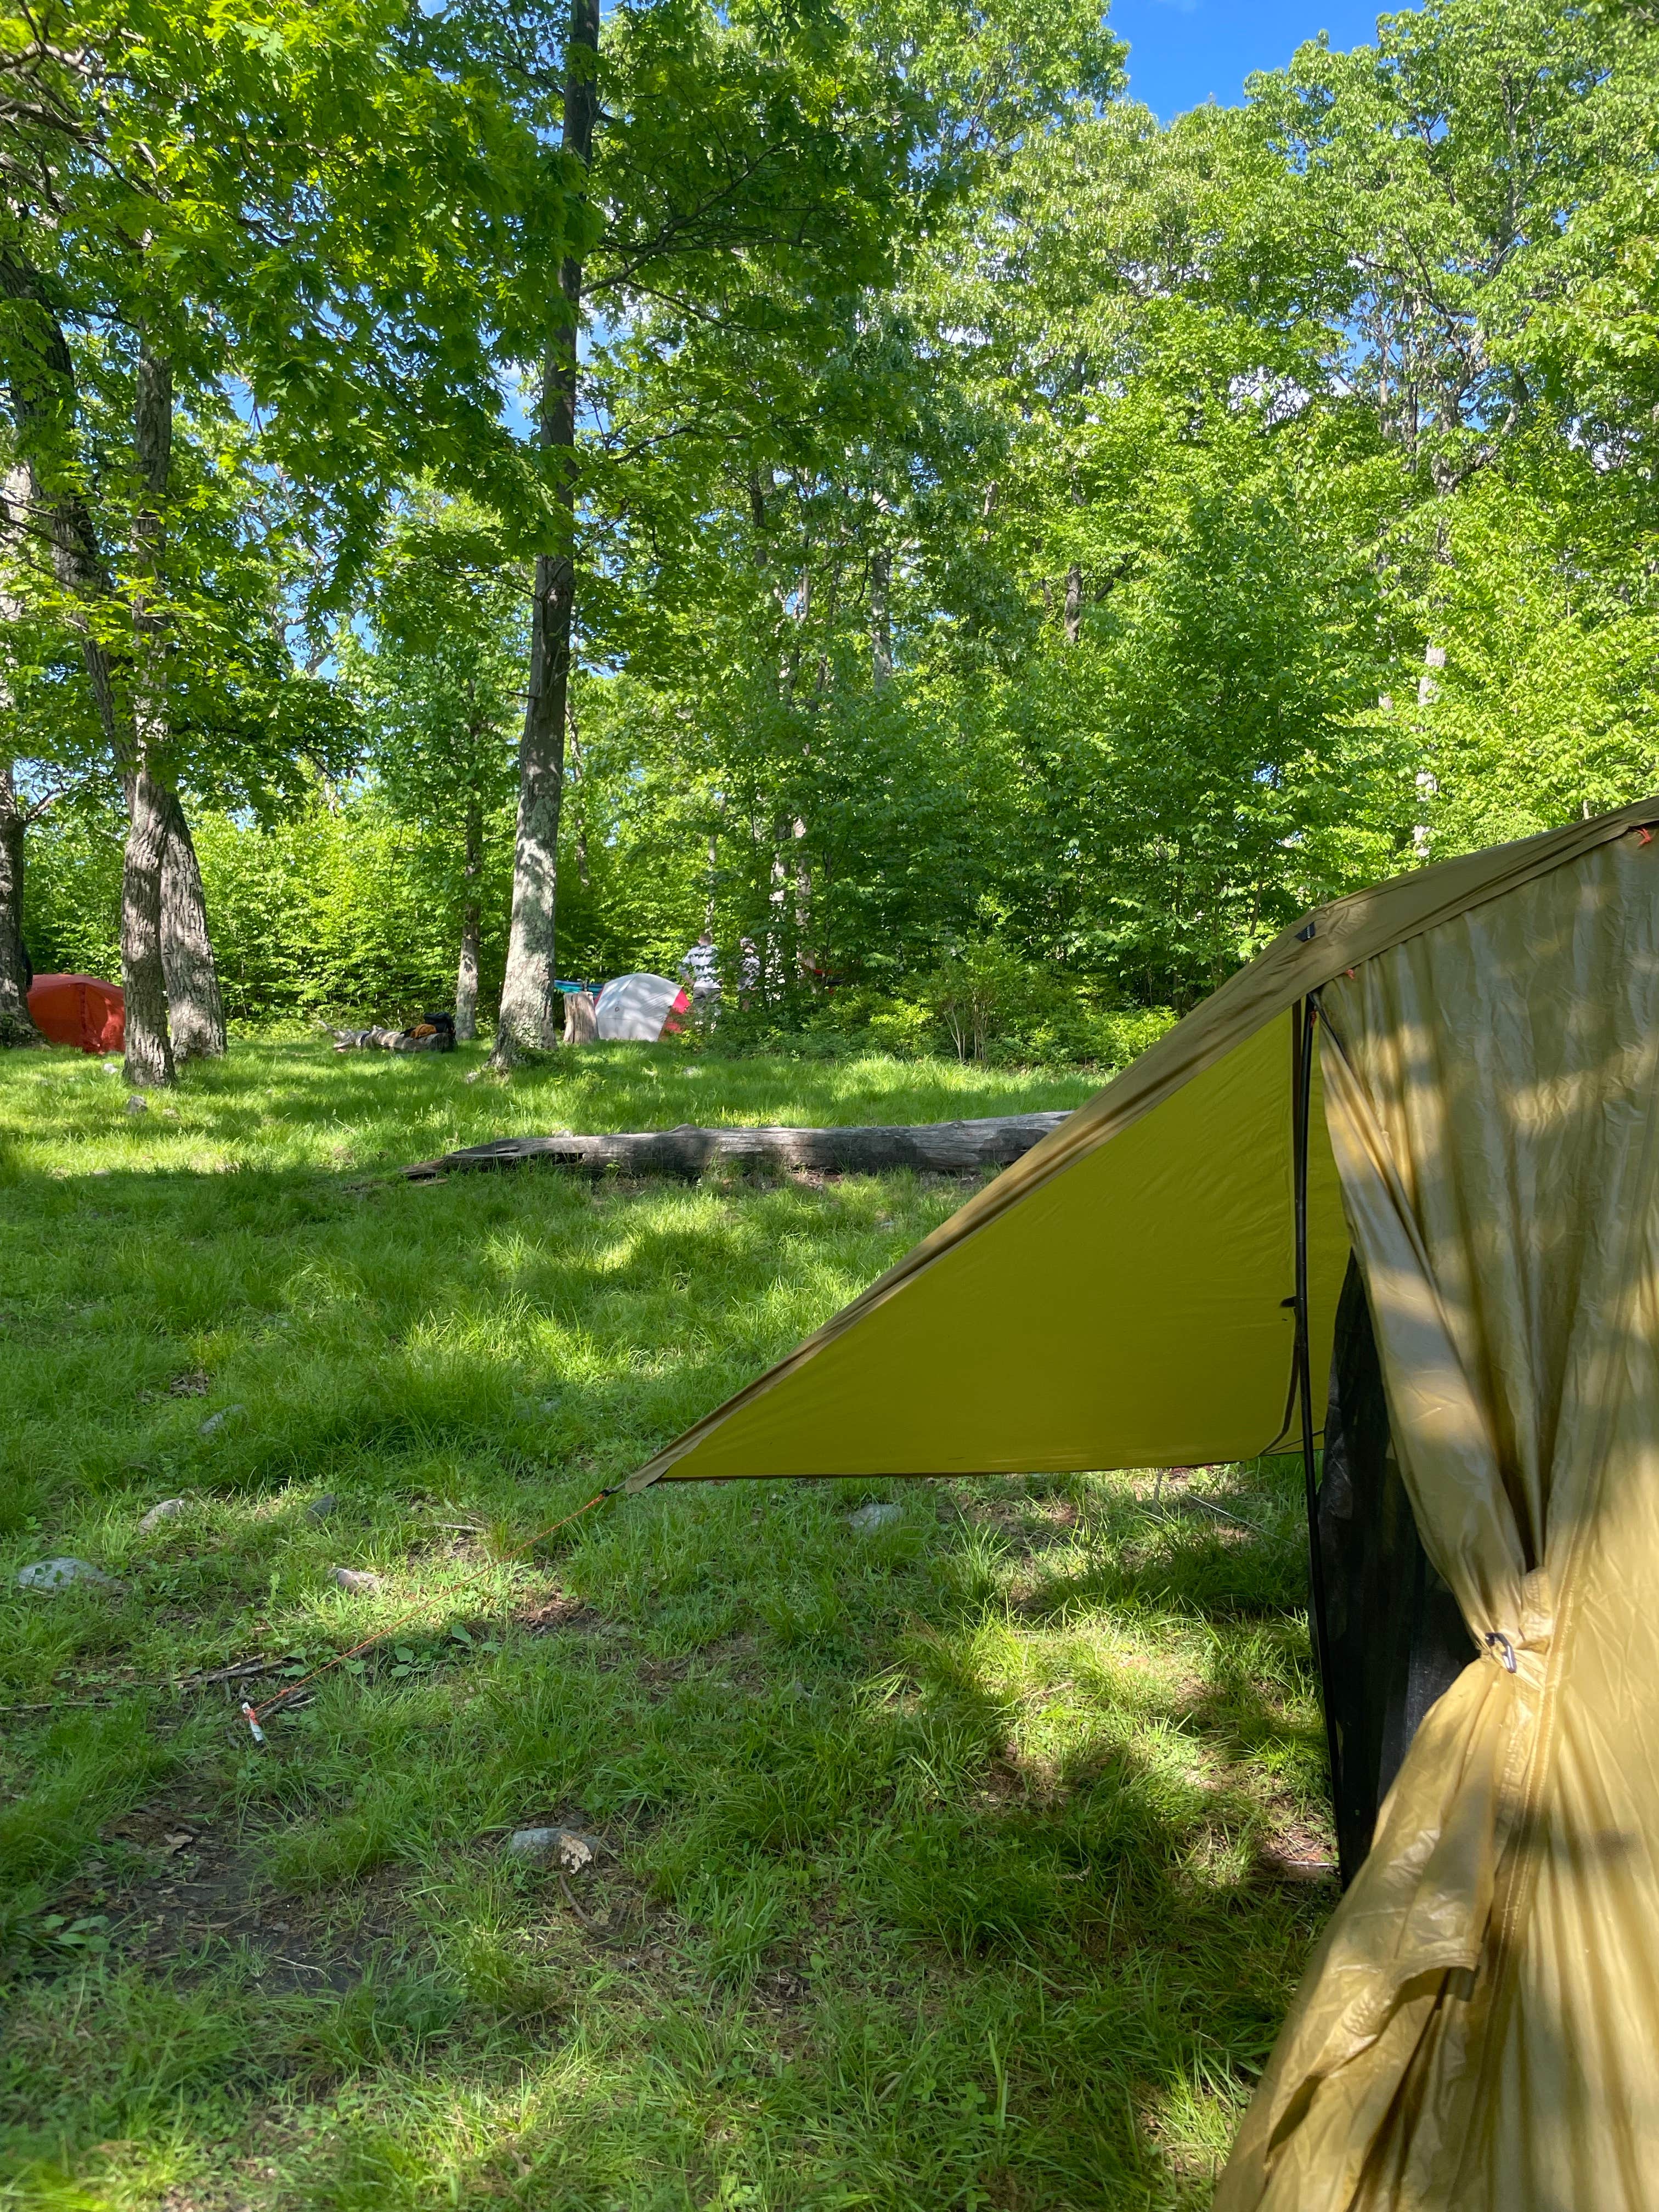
(1007, 528)
(439, 677)
(439, 696)
(72, 896)
(1081, 601)
(1549, 702)
(243, 268)
(339, 908)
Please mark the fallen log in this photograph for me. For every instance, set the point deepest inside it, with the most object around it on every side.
(931, 1147)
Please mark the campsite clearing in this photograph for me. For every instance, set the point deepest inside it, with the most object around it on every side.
(967, 1860)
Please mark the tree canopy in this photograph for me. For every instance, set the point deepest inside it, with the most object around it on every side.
(903, 504)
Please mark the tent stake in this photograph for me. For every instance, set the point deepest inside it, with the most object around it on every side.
(1304, 1016)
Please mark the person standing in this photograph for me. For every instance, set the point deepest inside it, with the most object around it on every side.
(701, 968)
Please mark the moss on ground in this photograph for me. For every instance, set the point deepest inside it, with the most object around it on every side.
(962, 1863)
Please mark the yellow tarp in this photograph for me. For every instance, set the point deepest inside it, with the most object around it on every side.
(1480, 2028)
(1116, 1297)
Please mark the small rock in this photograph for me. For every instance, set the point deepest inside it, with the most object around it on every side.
(359, 1580)
(560, 1847)
(168, 1510)
(138, 1105)
(869, 1519)
(58, 1574)
(215, 1422)
(320, 1508)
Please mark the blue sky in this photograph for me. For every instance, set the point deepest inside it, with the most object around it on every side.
(1182, 51)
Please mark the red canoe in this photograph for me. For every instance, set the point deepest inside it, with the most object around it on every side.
(79, 1010)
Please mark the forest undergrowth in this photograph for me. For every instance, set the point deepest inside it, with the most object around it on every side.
(967, 1860)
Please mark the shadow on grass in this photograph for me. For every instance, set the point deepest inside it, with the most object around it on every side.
(937, 1874)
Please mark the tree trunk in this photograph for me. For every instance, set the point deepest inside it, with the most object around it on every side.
(149, 1058)
(196, 1011)
(1428, 784)
(149, 1046)
(802, 899)
(16, 1026)
(43, 409)
(1073, 604)
(933, 1147)
(532, 1016)
(466, 973)
(43, 405)
(881, 626)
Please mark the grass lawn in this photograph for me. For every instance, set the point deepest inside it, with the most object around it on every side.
(952, 1864)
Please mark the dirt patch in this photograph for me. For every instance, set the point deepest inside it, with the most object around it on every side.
(1297, 1853)
(782, 1991)
(560, 1611)
(197, 1885)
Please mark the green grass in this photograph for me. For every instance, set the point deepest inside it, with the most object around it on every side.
(946, 1865)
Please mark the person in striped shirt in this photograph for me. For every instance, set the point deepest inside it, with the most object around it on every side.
(701, 967)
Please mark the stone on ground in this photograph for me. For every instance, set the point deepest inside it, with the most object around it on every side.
(169, 1508)
(58, 1574)
(869, 1519)
(560, 1847)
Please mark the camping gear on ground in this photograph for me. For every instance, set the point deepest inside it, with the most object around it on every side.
(581, 1016)
(640, 1009)
(432, 1033)
(1452, 1078)
(79, 1010)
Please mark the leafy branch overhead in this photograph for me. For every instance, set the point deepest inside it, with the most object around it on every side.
(899, 503)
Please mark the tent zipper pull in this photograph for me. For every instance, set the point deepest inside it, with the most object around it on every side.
(1497, 1641)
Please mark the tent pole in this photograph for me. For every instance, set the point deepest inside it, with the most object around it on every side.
(1304, 1015)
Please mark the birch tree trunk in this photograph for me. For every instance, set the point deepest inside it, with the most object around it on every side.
(1428, 784)
(881, 627)
(466, 973)
(196, 1011)
(531, 1015)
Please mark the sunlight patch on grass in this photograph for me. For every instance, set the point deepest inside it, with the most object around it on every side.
(933, 1864)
